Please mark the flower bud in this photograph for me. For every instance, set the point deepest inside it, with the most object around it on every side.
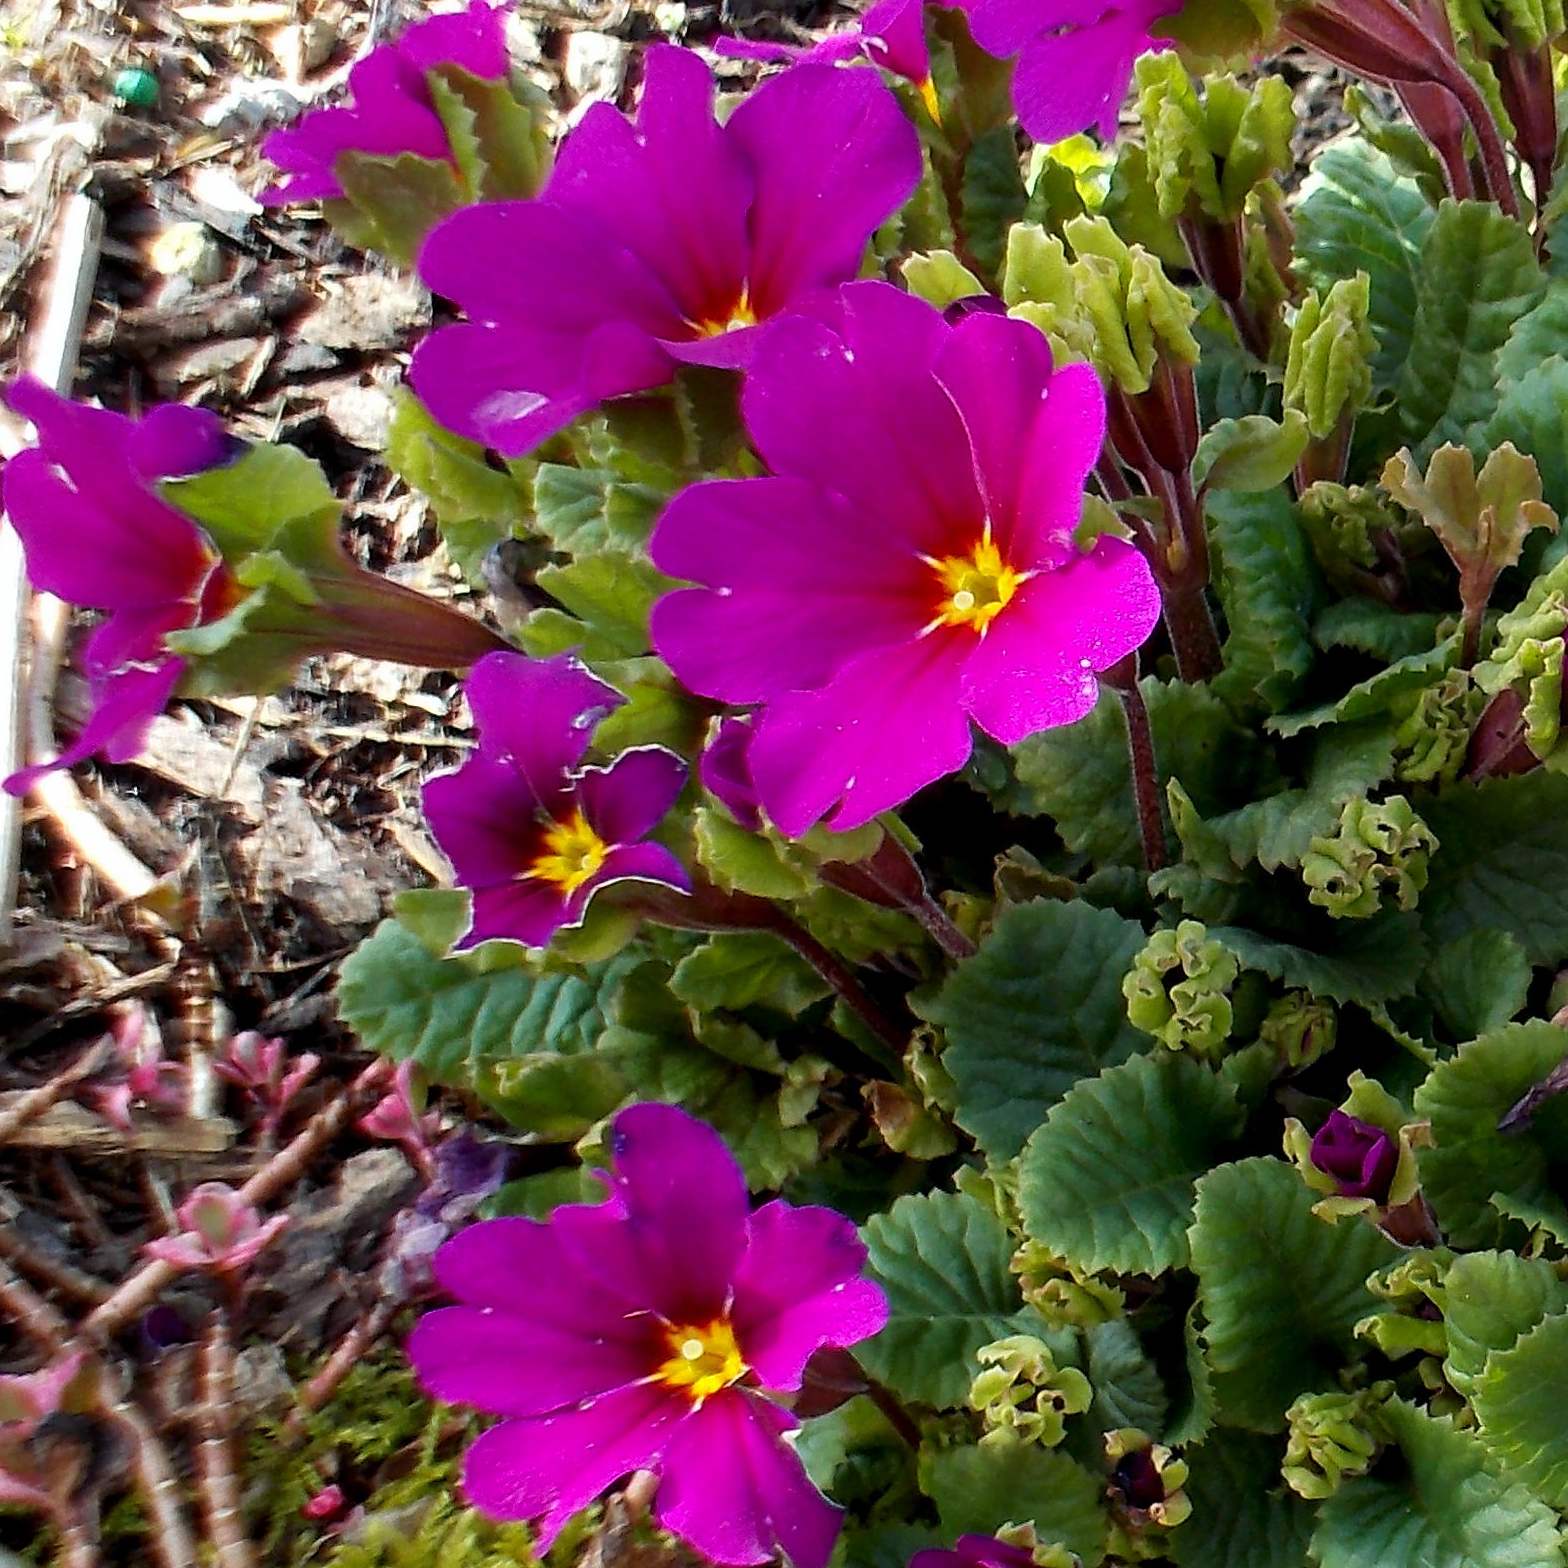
(1023, 1396)
(1329, 1440)
(1300, 1028)
(1146, 1480)
(221, 1232)
(1328, 373)
(1178, 990)
(1376, 844)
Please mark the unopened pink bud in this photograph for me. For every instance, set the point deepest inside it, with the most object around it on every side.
(325, 1504)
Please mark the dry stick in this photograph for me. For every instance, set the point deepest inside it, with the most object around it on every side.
(351, 1349)
(34, 1316)
(58, 1274)
(52, 358)
(26, 1107)
(220, 1487)
(138, 1291)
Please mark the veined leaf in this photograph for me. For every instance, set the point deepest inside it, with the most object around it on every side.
(1518, 1402)
(1107, 1182)
(1243, 1515)
(977, 1490)
(1489, 1300)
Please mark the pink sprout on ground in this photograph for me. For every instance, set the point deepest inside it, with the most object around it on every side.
(220, 1231)
(139, 1074)
(650, 1332)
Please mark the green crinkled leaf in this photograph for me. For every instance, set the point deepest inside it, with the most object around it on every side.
(1107, 1182)
(1356, 213)
(993, 196)
(1243, 1515)
(1280, 1290)
(1250, 454)
(1036, 1009)
(942, 1259)
(1532, 412)
(1376, 695)
(1128, 1390)
(1502, 864)
(611, 593)
(391, 204)
(1471, 1163)
(1376, 962)
(1078, 775)
(1489, 1300)
(500, 144)
(580, 510)
(1518, 1402)
(258, 501)
(462, 1022)
(977, 1490)
(1270, 588)
(1443, 1508)
(1379, 629)
(1477, 982)
(1478, 275)
(475, 505)
(738, 968)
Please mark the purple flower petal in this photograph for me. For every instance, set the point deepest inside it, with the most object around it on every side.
(629, 799)
(484, 817)
(1065, 83)
(725, 772)
(673, 189)
(686, 1207)
(1003, 27)
(538, 714)
(529, 912)
(798, 1288)
(888, 724)
(975, 1551)
(1036, 665)
(629, 863)
(857, 412)
(473, 40)
(797, 585)
(833, 155)
(1360, 1157)
(549, 1468)
(893, 34)
(1035, 433)
(174, 440)
(508, 1366)
(731, 1487)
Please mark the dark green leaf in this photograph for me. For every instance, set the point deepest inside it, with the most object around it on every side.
(1243, 1515)
(1445, 1508)
(1489, 1300)
(978, 1490)
(1281, 1291)
(1377, 961)
(1128, 1390)
(1037, 1008)
(942, 1258)
(1107, 1182)
(738, 968)
(1477, 982)
(993, 195)
(1518, 1402)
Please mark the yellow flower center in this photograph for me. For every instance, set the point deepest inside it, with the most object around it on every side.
(741, 315)
(573, 852)
(976, 587)
(703, 1359)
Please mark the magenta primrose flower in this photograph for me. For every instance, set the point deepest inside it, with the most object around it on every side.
(532, 833)
(1075, 57)
(96, 532)
(1360, 1157)
(392, 111)
(891, 34)
(909, 566)
(665, 241)
(646, 1333)
(974, 1551)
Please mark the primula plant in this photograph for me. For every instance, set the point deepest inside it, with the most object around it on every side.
(1010, 875)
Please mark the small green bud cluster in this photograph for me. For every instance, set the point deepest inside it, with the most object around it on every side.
(1023, 1396)
(1328, 371)
(1300, 1028)
(1330, 1440)
(1111, 305)
(1377, 844)
(1178, 990)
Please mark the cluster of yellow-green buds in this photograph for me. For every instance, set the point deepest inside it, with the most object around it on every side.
(1299, 1028)
(1064, 1296)
(1146, 1481)
(1412, 1323)
(1332, 1437)
(1527, 659)
(1357, 538)
(1023, 1396)
(1328, 371)
(1209, 149)
(1376, 846)
(1178, 989)
(1434, 725)
(1111, 304)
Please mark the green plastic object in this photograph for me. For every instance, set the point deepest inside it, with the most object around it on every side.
(134, 86)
